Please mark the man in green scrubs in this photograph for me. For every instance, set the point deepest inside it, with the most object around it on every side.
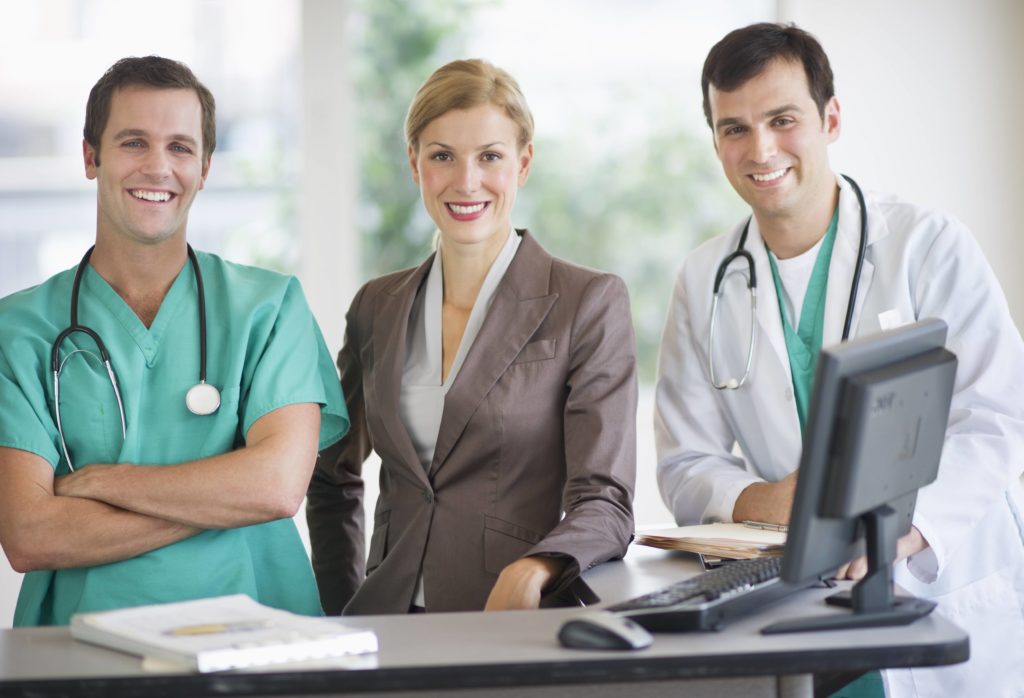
(183, 505)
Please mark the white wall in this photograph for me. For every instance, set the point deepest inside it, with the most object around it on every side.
(931, 93)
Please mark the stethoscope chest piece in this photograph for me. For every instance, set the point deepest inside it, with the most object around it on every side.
(202, 399)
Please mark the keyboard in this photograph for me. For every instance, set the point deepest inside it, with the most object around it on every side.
(711, 599)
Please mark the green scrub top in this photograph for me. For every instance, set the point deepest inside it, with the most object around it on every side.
(264, 351)
(803, 345)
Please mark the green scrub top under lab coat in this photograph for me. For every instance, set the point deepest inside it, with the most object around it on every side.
(265, 351)
(804, 343)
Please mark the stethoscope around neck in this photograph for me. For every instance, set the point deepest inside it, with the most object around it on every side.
(741, 253)
(201, 399)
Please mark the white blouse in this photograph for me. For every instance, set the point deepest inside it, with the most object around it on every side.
(421, 402)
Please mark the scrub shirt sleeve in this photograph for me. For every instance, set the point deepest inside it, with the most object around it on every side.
(25, 421)
(981, 456)
(295, 367)
(698, 475)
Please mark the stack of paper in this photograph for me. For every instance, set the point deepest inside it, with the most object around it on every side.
(226, 632)
(723, 540)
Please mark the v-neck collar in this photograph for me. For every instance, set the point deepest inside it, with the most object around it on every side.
(148, 339)
(434, 301)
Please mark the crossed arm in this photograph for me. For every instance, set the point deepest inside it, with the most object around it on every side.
(104, 513)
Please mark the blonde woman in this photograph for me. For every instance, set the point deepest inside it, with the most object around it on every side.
(496, 383)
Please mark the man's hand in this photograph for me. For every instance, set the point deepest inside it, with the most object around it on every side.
(81, 482)
(769, 502)
(906, 546)
(519, 585)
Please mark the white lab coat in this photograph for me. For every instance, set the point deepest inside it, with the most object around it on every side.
(921, 264)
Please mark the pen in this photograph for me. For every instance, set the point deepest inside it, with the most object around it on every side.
(782, 528)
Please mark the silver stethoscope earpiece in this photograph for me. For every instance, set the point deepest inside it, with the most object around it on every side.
(740, 252)
(201, 399)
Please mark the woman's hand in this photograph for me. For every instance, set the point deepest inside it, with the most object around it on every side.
(520, 584)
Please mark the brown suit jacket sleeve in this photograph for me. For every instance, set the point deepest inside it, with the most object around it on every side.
(600, 434)
(334, 504)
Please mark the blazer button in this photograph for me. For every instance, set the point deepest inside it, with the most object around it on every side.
(428, 497)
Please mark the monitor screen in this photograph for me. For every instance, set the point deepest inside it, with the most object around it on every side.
(877, 423)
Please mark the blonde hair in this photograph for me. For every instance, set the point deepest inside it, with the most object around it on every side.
(463, 85)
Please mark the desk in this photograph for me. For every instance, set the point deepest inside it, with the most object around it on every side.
(515, 654)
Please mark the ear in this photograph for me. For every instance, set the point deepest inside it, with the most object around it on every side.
(833, 120)
(206, 170)
(91, 159)
(414, 165)
(525, 160)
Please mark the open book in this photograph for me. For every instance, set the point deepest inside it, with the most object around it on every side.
(720, 540)
(225, 632)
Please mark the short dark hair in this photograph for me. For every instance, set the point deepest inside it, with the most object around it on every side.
(147, 71)
(743, 53)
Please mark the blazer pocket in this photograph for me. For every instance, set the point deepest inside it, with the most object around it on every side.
(378, 541)
(540, 350)
(505, 543)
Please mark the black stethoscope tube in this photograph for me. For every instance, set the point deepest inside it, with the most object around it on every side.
(740, 252)
(201, 399)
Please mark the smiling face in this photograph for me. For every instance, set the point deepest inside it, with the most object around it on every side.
(152, 164)
(773, 144)
(469, 167)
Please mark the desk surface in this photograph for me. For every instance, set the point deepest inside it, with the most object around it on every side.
(464, 650)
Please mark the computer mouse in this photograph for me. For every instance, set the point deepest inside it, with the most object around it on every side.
(602, 630)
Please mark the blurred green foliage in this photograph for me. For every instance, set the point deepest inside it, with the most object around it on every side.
(632, 204)
(399, 44)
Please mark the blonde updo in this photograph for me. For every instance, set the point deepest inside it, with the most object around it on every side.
(463, 85)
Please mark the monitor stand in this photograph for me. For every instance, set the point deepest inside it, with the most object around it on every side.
(872, 599)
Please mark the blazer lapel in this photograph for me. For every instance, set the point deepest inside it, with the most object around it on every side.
(390, 328)
(521, 302)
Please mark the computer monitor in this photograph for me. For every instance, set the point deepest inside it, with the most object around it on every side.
(877, 423)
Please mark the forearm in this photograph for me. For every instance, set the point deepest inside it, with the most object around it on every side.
(41, 531)
(63, 532)
(264, 481)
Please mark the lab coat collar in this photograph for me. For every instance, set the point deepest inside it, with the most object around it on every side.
(844, 262)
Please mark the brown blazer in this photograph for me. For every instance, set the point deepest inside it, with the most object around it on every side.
(540, 420)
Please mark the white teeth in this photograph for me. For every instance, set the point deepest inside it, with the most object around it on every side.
(770, 176)
(465, 210)
(151, 195)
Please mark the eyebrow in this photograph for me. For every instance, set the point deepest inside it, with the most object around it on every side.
(770, 114)
(140, 133)
(482, 147)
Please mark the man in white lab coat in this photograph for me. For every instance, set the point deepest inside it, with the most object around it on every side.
(769, 99)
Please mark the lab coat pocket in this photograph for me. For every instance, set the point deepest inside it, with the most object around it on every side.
(378, 541)
(540, 350)
(989, 610)
(505, 542)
